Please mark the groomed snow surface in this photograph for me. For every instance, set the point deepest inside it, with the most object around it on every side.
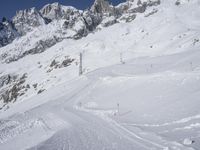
(149, 102)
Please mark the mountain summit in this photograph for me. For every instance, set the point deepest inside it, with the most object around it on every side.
(101, 6)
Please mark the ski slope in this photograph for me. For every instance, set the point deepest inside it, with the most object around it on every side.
(157, 89)
(83, 114)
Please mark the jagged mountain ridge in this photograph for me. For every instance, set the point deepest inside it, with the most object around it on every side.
(65, 18)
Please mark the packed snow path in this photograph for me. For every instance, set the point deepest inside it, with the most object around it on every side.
(73, 122)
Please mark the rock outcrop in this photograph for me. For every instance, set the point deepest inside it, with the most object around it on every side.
(12, 87)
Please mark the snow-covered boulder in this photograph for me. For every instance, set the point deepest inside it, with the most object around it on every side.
(188, 141)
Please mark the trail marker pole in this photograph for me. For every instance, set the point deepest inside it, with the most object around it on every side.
(81, 65)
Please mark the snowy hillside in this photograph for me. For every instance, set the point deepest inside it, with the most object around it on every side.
(140, 86)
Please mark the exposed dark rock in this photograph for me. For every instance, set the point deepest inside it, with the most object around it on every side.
(139, 9)
(128, 18)
(15, 90)
(35, 85)
(151, 13)
(6, 79)
(56, 64)
(41, 46)
(66, 62)
(8, 32)
(195, 41)
(153, 3)
(177, 2)
(40, 91)
(91, 20)
(109, 22)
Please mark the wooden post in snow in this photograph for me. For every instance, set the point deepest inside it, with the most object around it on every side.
(81, 65)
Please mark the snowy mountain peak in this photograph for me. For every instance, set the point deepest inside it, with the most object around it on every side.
(57, 11)
(101, 6)
(26, 20)
(52, 11)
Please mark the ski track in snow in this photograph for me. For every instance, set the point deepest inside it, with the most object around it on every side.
(184, 120)
(63, 116)
(146, 143)
(46, 121)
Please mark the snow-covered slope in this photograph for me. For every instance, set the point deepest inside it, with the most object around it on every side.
(140, 86)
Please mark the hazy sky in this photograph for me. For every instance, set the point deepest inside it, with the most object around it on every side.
(8, 8)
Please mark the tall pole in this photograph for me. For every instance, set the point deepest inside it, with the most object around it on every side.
(118, 108)
(80, 65)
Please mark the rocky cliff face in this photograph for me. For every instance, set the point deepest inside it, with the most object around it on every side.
(57, 11)
(101, 7)
(26, 20)
(8, 32)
